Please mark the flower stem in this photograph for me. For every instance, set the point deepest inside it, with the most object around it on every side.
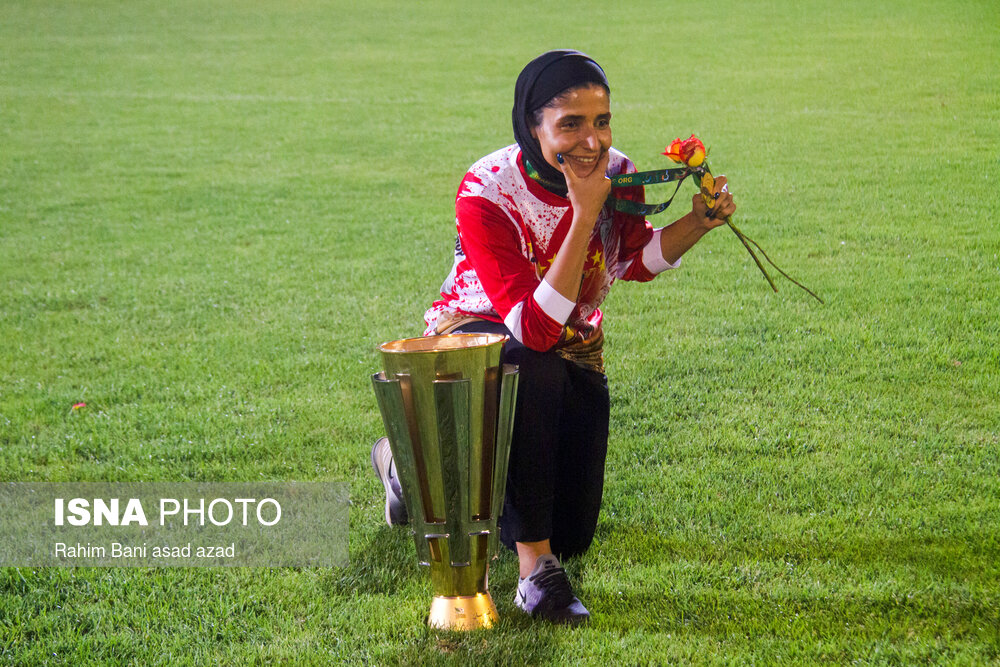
(744, 238)
(699, 173)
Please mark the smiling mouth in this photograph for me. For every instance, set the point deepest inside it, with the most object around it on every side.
(583, 160)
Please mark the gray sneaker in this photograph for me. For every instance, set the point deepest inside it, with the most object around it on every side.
(385, 468)
(546, 594)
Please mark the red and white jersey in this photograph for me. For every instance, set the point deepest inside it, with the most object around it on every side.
(509, 231)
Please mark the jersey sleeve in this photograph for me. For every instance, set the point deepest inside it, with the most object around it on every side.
(640, 259)
(534, 312)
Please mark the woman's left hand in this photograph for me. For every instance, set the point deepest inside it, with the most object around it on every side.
(724, 205)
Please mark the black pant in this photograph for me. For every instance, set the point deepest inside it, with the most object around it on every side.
(556, 475)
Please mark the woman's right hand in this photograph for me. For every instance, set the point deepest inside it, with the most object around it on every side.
(588, 194)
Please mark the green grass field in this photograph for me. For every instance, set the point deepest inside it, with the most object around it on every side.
(212, 212)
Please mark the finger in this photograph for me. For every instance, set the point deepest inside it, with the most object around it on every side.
(726, 206)
(565, 168)
(720, 186)
(570, 173)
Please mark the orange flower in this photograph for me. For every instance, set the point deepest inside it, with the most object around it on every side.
(673, 151)
(689, 152)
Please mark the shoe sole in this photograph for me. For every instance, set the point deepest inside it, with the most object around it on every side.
(570, 620)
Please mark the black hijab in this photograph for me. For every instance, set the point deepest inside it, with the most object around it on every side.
(542, 79)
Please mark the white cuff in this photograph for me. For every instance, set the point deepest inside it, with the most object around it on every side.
(552, 303)
(652, 256)
(513, 322)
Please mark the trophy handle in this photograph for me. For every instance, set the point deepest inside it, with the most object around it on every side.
(389, 395)
(505, 430)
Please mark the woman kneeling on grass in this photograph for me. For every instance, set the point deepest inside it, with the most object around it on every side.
(539, 246)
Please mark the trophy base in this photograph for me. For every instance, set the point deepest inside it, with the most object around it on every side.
(463, 612)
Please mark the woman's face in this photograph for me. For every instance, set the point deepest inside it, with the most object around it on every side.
(578, 125)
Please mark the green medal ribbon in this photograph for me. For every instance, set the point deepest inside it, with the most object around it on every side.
(647, 178)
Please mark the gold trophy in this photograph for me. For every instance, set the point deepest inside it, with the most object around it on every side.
(448, 409)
